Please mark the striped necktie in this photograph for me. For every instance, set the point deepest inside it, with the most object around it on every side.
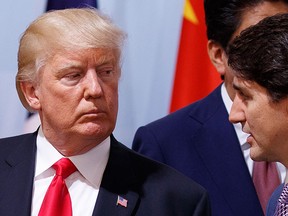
(282, 204)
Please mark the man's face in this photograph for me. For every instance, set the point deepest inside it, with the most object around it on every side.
(264, 120)
(251, 17)
(78, 97)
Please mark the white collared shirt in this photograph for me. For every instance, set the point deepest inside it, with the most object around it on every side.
(242, 137)
(83, 185)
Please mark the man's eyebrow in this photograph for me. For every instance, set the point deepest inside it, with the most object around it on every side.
(102, 60)
(243, 89)
(69, 65)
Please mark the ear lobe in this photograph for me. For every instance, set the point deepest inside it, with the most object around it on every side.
(30, 95)
(217, 56)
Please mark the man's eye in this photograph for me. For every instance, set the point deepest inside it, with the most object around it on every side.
(243, 96)
(72, 76)
(106, 73)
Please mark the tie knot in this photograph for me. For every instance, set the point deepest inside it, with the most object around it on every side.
(64, 167)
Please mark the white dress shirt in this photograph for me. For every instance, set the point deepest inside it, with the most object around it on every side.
(242, 137)
(83, 185)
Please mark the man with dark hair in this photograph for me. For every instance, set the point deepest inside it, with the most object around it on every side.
(259, 61)
(199, 140)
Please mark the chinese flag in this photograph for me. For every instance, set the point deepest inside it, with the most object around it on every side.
(195, 76)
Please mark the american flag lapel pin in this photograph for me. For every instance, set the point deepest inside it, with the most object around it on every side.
(122, 202)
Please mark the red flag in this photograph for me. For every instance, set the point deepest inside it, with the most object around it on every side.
(195, 76)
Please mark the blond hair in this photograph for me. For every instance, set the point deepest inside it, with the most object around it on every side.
(63, 29)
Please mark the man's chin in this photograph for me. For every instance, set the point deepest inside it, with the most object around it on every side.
(259, 158)
(257, 155)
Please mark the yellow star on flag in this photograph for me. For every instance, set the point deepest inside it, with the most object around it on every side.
(189, 13)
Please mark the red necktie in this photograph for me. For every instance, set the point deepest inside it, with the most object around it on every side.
(57, 200)
(266, 179)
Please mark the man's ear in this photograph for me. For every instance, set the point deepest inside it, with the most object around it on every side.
(30, 94)
(217, 56)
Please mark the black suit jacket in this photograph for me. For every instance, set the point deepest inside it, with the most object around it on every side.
(200, 142)
(150, 187)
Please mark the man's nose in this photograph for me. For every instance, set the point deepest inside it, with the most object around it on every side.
(237, 113)
(92, 85)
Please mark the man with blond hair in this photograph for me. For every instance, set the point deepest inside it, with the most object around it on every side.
(68, 71)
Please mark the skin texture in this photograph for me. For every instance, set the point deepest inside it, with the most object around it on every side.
(266, 121)
(249, 17)
(76, 95)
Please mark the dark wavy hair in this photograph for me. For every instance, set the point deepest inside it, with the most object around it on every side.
(223, 17)
(260, 54)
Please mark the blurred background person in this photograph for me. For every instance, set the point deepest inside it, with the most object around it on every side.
(199, 140)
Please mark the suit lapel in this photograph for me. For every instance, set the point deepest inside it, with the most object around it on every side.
(17, 175)
(227, 152)
(118, 180)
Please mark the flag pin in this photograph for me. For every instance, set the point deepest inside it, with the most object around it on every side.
(122, 202)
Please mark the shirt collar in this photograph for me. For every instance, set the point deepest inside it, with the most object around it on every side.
(90, 164)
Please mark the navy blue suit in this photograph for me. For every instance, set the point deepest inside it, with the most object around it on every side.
(271, 207)
(151, 188)
(200, 142)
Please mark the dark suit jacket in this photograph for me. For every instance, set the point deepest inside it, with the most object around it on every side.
(200, 142)
(271, 207)
(150, 187)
